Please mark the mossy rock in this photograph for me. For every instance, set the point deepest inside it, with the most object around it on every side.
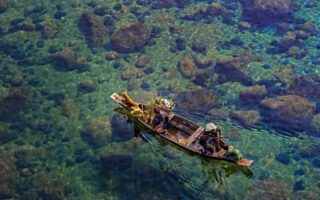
(8, 177)
(247, 118)
(288, 112)
(315, 125)
(97, 131)
(6, 135)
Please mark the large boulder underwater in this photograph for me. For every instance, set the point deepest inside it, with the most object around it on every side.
(122, 130)
(94, 30)
(266, 11)
(204, 101)
(96, 132)
(130, 38)
(287, 112)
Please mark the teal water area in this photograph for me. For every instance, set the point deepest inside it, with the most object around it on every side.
(250, 66)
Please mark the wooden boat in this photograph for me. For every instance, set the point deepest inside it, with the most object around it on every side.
(185, 134)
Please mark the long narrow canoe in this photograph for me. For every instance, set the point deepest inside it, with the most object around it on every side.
(185, 134)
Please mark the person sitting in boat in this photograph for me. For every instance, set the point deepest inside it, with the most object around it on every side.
(212, 130)
(211, 139)
(207, 147)
(160, 121)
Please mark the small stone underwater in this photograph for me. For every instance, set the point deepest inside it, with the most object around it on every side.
(250, 66)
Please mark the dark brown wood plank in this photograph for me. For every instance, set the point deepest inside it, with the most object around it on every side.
(194, 135)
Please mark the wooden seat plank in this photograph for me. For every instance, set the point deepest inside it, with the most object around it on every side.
(194, 135)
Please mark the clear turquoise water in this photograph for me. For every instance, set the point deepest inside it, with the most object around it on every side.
(47, 110)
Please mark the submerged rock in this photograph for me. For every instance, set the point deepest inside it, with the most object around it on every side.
(212, 10)
(234, 69)
(196, 100)
(169, 3)
(310, 150)
(68, 60)
(97, 131)
(131, 38)
(218, 114)
(115, 161)
(305, 87)
(202, 62)
(23, 26)
(142, 61)
(121, 129)
(299, 185)
(296, 52)
(246, 118)
(27, 157)
(47, 187)
(288, 40)
(17, 100)
(49, 30)
(269, 189)
(87, 86)
(315, 126)
(94, 30)
(288, 112)
(131, 73)
(199, 47)
(265, 12)
(6, 135)
(133, 84)
(253, 94)
(16, 79)
(112, 55)
(70, 109)
(8, 178)
(3, 6)
(283, 158)
(206, 78)
(316, 163)
(187, 67)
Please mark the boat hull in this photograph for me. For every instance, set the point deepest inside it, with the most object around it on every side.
(198, 130)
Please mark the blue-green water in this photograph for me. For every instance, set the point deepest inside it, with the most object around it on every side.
(251, 67)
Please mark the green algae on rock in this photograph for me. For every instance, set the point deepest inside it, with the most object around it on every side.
(130, 38)
(18, 99)
(8, 177)
(187, 67)
(315, 125)
(47, 187)
(87, 86)
(49, 29)
(96, 131)
(205, 100)
(94, 30)
(142, 61)
(287, 112)
(305, 87)
(247, 118)
(270, 189)
(68, 59)
(3, 6)
(266, 11)
(6, 135)
(202, 62)
(70, 109)
(234, 69)
(253, 94)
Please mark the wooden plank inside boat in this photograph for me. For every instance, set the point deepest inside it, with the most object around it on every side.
(195, 135)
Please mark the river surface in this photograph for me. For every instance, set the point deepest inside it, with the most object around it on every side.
(250, 67)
